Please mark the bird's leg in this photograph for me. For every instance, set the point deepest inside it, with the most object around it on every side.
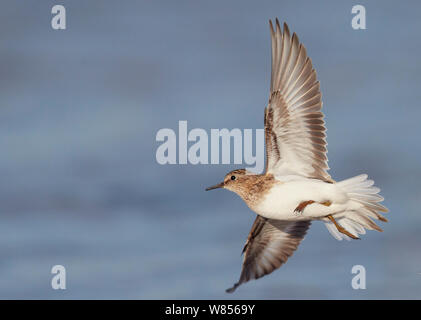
(300, 208)
(341, 229)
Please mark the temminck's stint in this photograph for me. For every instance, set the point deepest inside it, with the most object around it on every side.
(295, 187)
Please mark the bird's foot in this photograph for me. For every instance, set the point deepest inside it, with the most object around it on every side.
(300, 208)
(342, 229)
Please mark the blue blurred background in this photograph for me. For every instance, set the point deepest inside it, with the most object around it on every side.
(80, 108)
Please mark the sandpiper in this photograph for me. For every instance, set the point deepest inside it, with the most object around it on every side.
(295, 187)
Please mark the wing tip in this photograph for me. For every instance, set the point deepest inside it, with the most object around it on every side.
(233, 288)
(272, 30)
(286, 29)
(278, 26)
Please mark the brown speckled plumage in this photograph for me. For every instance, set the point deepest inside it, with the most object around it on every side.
(250, 187)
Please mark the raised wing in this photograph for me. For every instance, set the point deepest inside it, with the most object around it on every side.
(269, 245)
(294, 126)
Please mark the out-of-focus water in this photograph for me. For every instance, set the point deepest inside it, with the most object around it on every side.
(80, 108)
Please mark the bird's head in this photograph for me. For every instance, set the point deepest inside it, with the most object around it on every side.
(233, 181)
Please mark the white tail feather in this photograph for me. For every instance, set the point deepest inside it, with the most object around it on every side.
(365, 200)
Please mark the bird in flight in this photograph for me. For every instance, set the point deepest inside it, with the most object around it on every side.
(296, 188)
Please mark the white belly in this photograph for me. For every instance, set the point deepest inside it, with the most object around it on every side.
(283, 199)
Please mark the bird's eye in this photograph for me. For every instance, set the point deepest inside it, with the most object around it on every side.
(233, 177)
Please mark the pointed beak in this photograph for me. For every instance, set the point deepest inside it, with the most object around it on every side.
(219, 185)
